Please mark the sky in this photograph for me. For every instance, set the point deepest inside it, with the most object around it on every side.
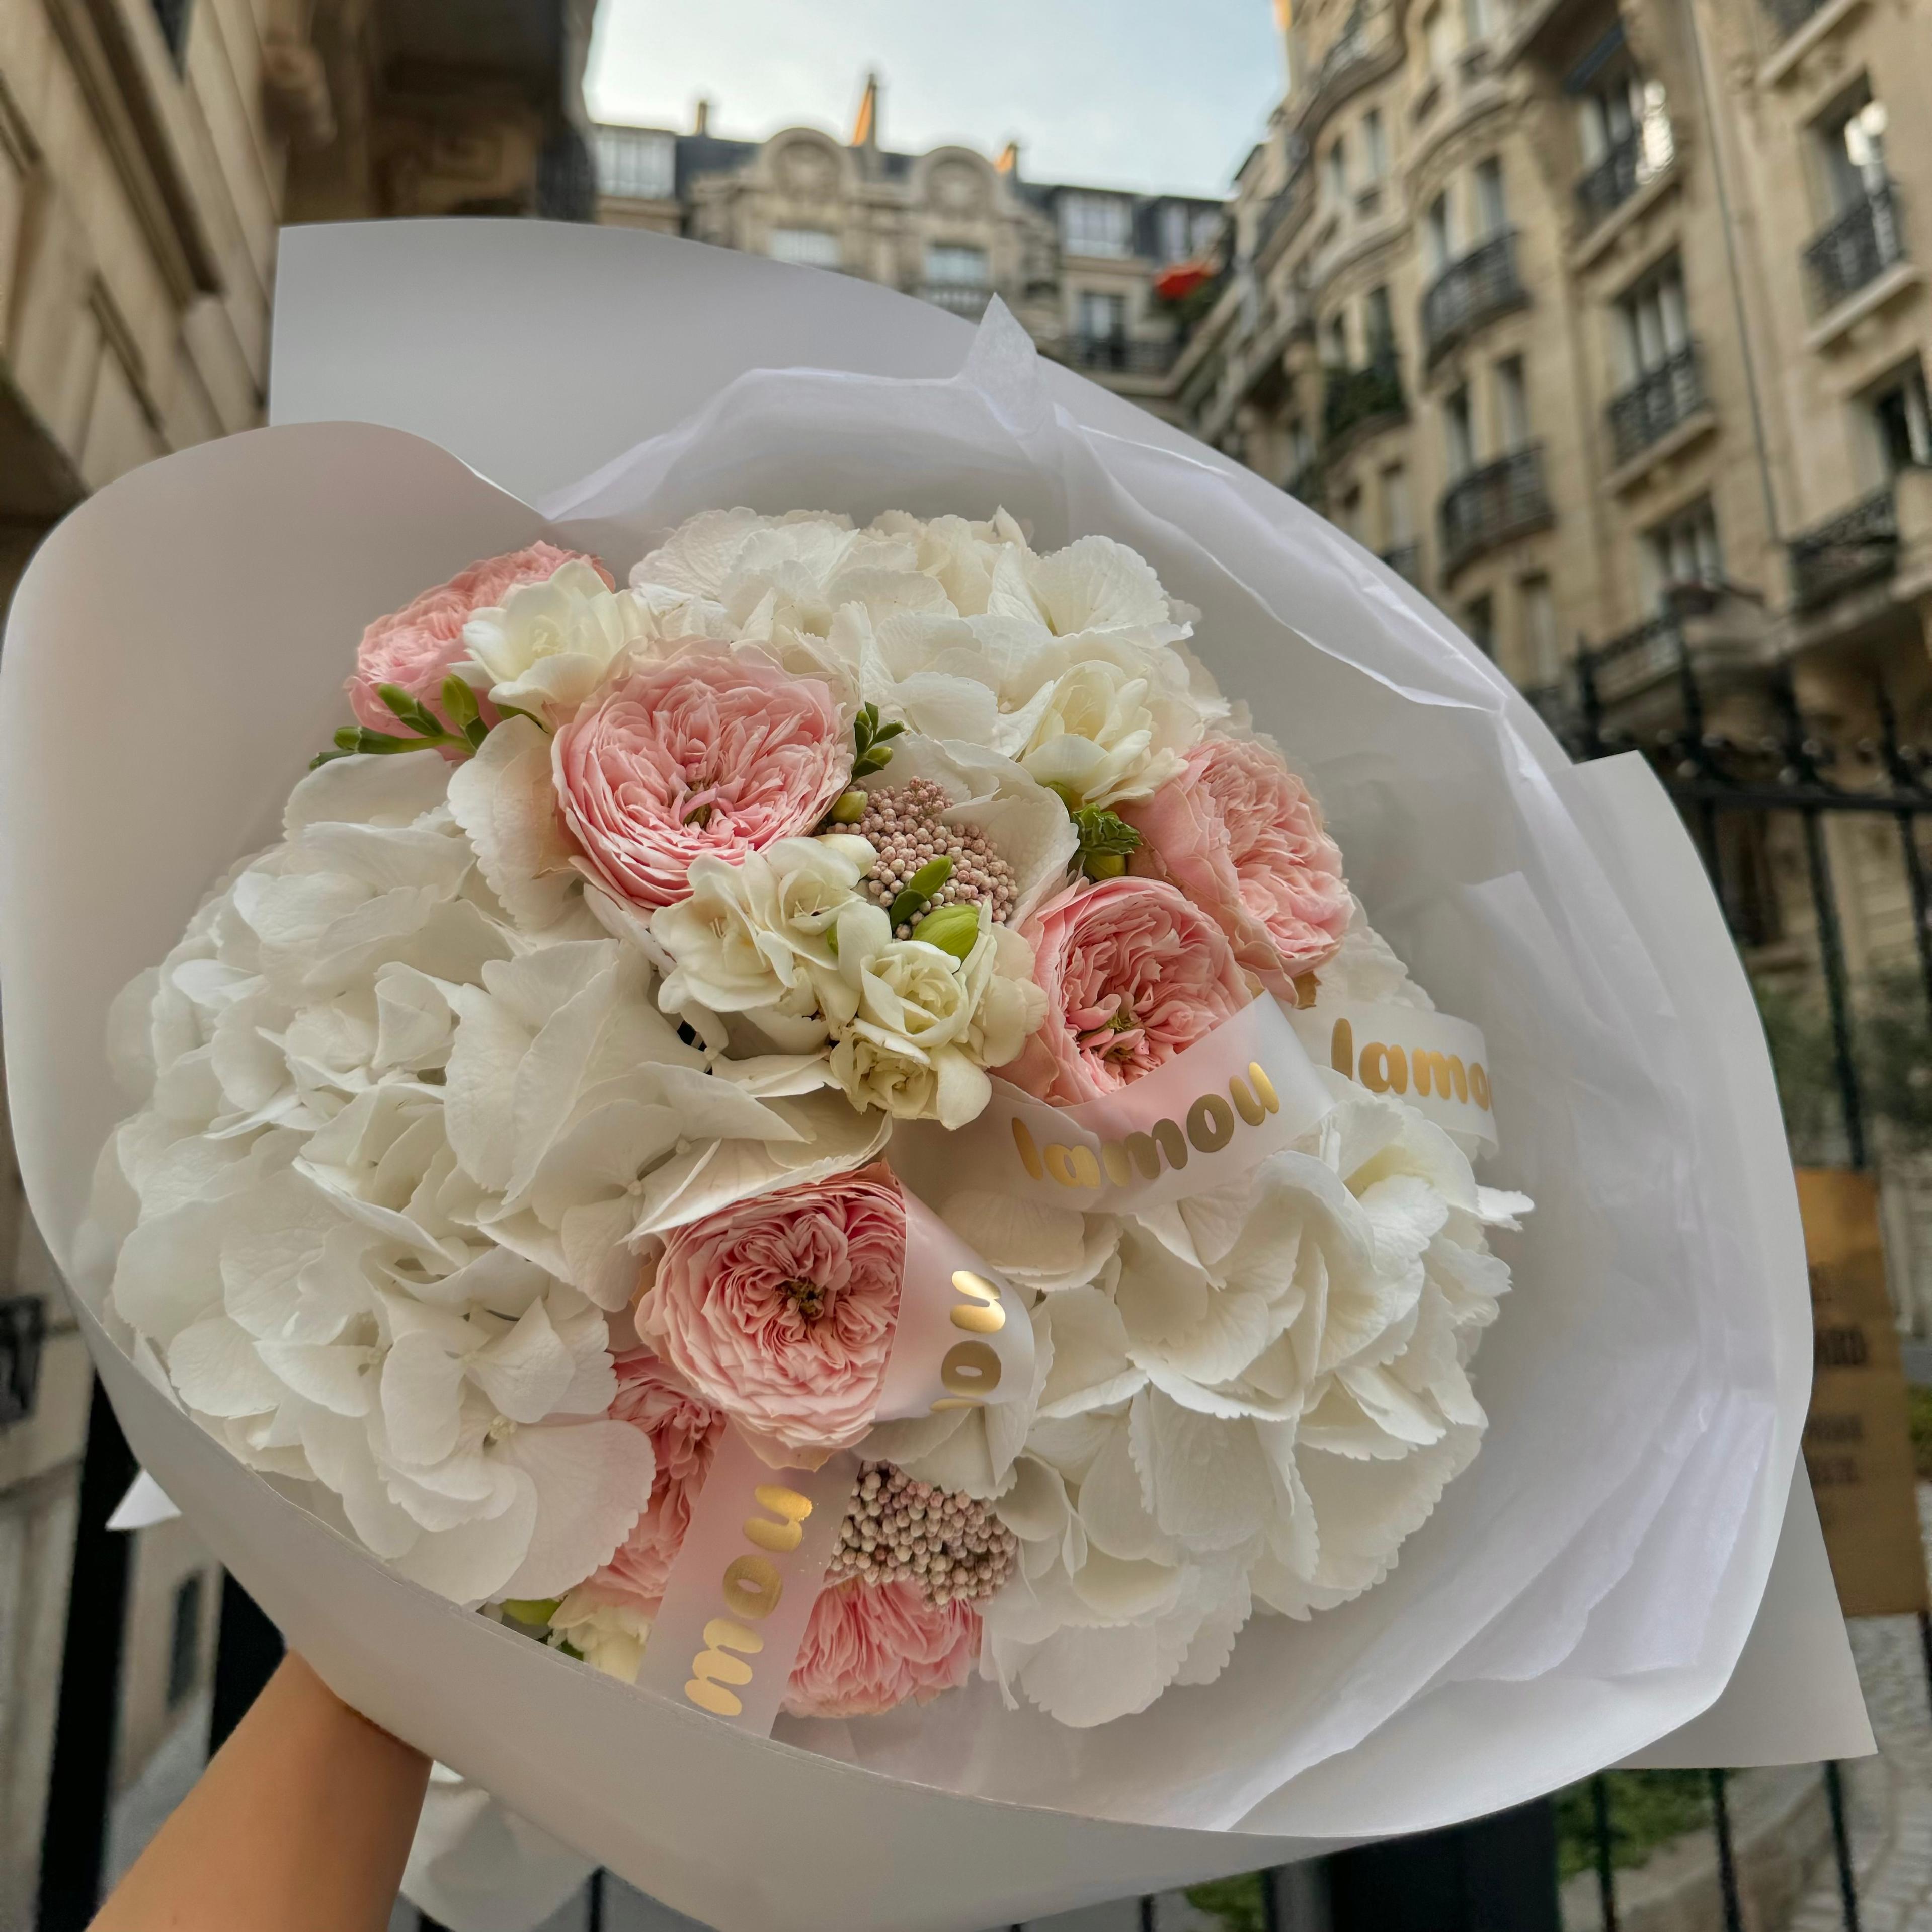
(1132, 94)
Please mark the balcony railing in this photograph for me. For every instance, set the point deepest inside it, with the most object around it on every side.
(966, 298)
(1656, 402)
(1856, 547)
(1858, 248)
(1470, 291)
(1404, 559)
(1122, 355)
(1352, 396)
(1790, 15)
(1294, 202)
(1635, 659)
(1502, 500)
(1305, 482)
(1632, 163)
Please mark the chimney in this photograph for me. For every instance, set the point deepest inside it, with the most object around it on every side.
(1008, 163)
(865, 124)
(702, 124)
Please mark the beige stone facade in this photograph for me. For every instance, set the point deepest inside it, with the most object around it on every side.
(149, 152)
(1079, 266)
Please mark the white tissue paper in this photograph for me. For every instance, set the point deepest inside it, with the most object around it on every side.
(175, 652)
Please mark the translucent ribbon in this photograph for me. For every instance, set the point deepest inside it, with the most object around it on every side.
(1438, 1064)
(740, 1592)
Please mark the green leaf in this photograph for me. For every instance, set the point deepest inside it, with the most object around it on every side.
(916, 894)
(876, 760)
(347, 736)
(420, 720)
(381, 744)
(476, 731)
(460, 701)
(885, 731)
(321, 758)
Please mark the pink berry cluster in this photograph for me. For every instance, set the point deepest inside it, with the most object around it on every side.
(906, 825)
(897, 1530)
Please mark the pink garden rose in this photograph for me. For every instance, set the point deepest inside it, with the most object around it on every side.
(780, 1309)
(1238, 832)
(416, 646)
(1134, 973)
(707, 752)
(870, 1646)
(684, 1433)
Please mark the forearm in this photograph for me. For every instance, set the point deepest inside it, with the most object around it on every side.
(300, 1824)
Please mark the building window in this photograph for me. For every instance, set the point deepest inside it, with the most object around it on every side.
(1851, 141)
(812, 248)
(1459, 436)
(1479, 620)
(184, 1641)
(1375, 145)
(1652, 323)
(1437, 237)
(1900, 421)
(1491, 211)
(1101, 315)
(172, 16)
(1512, 404)
(1338, 171)
(1398, 519)
(956, 262)
(1682, 550)
(1436, 32)
(637, 164)
(1540, 656)
(1335, 340)
(1097, 224)
(1379, 325)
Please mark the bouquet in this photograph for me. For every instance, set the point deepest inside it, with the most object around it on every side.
(830, 1010)
(805, 1109)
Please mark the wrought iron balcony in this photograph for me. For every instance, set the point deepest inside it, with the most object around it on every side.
(1473, 288)
(1285, 212)
(1656, 402)
(1858, 248)
(966, 298)
(1857, 546)
(1635, 659)
(1307, 483)
(1503, 499)
(1351, 397)
(1404, 559)
(1122, 355)
(1637, 159)
(23, 1331)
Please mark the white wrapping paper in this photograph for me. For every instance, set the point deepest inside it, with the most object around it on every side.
(1583, 1589)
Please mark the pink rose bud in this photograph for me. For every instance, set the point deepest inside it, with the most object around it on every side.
(869, 1647)
(416, 646)
(708, 752)
(1133, 974)
(1240, 835)
(780, 1310)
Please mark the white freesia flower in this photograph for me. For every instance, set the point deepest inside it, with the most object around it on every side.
(758, 934)
(926, 1025)
(607, 1632)
(549, 645)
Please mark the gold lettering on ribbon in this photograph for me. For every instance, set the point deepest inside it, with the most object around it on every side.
(1385, 1068)
(1479, 1085)
(1210, 1127)
(1342, 1049)
(971, 1372)
(751, 1587)
(982, 1313)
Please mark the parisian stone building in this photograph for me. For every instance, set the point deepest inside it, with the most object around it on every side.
(1081, 267)
(149, 151)
(1604, 322)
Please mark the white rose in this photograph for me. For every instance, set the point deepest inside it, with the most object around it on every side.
(549, 645)
(1105, 731)
(758, 934)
